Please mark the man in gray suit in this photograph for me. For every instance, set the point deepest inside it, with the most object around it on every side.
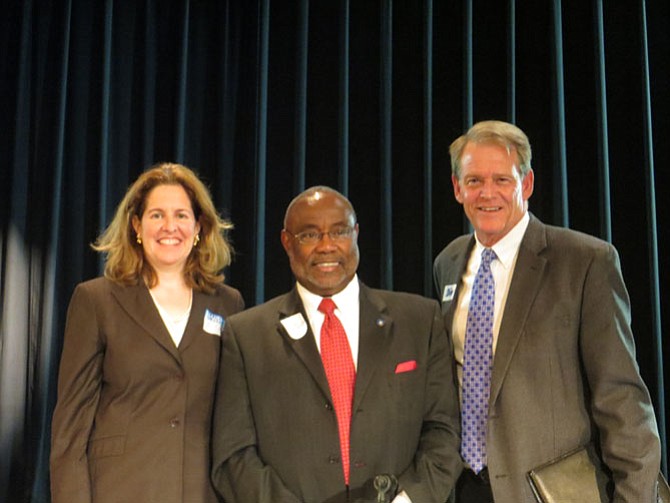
(562, 360)
(283, 429)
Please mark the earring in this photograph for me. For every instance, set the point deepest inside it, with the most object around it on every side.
(139, 239)
(196, 240)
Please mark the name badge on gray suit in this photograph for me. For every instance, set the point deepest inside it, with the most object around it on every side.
(448, 294)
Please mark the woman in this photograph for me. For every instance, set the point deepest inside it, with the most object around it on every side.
(141, 351)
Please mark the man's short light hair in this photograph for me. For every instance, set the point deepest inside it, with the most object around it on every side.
(499, 133)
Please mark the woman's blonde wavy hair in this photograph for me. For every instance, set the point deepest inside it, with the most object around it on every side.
(124, 257)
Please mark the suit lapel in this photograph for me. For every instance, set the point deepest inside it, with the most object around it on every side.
(195, 319)
(137, 302)
(304, 347)
(375, 325)
(524, 287)
(454, 274)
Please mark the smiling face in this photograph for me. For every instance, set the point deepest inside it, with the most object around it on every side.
(327, 266)
(167, 228)
(491, 190)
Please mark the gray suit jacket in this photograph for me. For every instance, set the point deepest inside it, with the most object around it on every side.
(275, 435)
(564, 371)
(133, 417)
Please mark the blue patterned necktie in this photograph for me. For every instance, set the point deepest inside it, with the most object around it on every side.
(477, 360)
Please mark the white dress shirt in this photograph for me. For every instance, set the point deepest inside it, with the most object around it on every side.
(175, 325)
(502, 268)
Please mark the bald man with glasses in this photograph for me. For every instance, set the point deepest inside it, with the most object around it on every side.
(335, 392)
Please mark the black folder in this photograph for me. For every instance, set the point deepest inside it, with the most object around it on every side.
(578, 477)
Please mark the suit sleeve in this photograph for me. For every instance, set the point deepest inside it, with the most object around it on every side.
(238, 473)
(79, 384)
(437, 462)
(621, 405)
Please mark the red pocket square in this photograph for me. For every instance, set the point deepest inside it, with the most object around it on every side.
(407, 366)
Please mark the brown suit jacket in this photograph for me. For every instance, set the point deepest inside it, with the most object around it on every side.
(275, 437)
(564, 372)
(132, 421)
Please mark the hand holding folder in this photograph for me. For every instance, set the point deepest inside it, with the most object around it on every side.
(577, 477)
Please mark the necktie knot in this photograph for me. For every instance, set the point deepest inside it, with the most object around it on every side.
(488, 256)
(327, 306)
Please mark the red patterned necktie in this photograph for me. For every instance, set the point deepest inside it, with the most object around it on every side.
(341, 374)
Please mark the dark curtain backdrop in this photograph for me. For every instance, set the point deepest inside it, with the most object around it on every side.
(265, 98)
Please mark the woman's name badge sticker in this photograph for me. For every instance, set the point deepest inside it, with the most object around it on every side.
(213, 323)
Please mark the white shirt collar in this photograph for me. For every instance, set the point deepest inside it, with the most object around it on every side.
(507, 247)
(344, 299)
(348, 312)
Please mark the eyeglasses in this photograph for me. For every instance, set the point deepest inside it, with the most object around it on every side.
(313, 237)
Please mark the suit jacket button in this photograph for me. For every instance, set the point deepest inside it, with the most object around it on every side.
(333, 460)
(328, 406)
(174, 422)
